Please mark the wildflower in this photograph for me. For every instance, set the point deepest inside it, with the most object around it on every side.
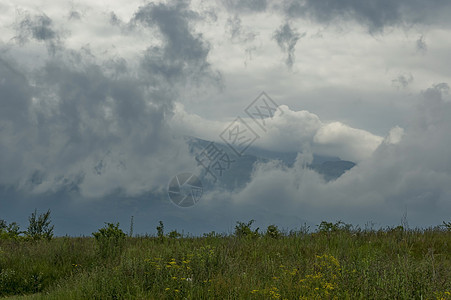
(167, 289)
(173, 277)
(254, 291)
(176, 291)
(189, 279)
(328, 286)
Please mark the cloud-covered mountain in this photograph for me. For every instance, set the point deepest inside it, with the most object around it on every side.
(239, 174)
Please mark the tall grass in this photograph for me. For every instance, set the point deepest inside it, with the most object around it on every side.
(331, 263)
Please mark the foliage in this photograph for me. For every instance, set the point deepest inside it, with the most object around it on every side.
(174, 234)
(244, 229)
(273, 232)
(212, 234)
(447, 225)
(130, 232)
(329, 227)
(160, 230)
(341, 264)
(110, 240)
(39, 226)
(9, 231)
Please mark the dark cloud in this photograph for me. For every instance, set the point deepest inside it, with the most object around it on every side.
(375, 14)
(15, 93)
(40, 28)
(433, 110)
(234, 27)
(287, 38)
(245, 5)
(402, 81)
(15, 100)
(74, 15)
(183, 53)
(114, 19)
(421, 45)
(82, 126)
(237, 33)
(94, 125)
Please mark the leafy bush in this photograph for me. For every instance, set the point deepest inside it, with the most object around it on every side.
(244, 229)
(110, 240)
(273, 232)
(174, 234)
(328, 227)
(11, 231)
(212, 234)
(39, 226)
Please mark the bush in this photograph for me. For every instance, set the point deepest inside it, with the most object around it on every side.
(110, 240)
(39, 227)
(273, 232)
(328, 227)
(11, 231)
(244, 229)
(174, 234)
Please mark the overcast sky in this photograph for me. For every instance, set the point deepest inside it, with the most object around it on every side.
(97, 97)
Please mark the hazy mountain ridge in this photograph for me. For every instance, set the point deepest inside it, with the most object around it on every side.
(239, 173)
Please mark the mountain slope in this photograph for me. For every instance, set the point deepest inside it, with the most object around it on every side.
(240, 169)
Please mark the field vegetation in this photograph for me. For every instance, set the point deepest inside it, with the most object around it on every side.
(330, 261)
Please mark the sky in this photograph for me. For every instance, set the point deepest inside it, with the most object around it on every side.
(97, 99)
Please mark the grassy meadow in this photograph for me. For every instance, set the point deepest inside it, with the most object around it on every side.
(334, 261)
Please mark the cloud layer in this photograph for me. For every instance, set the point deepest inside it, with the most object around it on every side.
(96, 102)
(409, 172)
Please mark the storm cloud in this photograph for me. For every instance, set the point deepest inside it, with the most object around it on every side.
(94, 124)
(374, 14)
(287, 38)
(97, 105)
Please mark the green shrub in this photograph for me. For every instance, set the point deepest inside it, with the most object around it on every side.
(174, 234)
(160, 230)
(11, 231)
(273, 232)
(328, 227)
(110, 240)
(39, 226)
(244, 229)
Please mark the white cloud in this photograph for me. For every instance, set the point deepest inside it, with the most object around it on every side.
(290, 131)
(348, 143)
(410, 172)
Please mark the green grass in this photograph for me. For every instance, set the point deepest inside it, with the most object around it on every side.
(339, 264)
